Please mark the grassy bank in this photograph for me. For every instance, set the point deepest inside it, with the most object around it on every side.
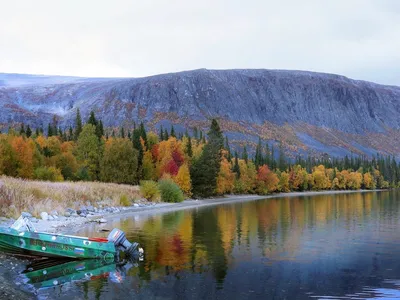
(17, 195)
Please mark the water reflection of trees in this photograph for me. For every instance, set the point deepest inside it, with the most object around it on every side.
(212, 239)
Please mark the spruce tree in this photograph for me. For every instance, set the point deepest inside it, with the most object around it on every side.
(228, 149)
(60, 134)
(139, 133)
(78, 124)
(282, 158)
(92, 119)
(258, 158)
(195, 133)
(99, 129)
(245, 155)
(273, 163)
(122, 132)
(189, 150)
(161, 134)
(204, 171)
(143, 133)
(70, 134)
(173, 131)
(22, 130)
(50, 130)
(267, 158)
(236, 168)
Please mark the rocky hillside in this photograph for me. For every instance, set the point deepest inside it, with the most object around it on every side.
(308, 112)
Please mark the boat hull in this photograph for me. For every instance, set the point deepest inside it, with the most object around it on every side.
(27, 243)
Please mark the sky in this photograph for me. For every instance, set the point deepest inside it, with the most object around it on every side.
(121, 38)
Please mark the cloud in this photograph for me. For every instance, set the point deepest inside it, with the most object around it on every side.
(357, 38)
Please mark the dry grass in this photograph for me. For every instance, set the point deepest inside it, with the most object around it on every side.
(17, 195)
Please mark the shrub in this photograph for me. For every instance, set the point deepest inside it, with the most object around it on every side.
(124, 201)
(48, 174)
(82, 174)
(170, 191)
(149, 190)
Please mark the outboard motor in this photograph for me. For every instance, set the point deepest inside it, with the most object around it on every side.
(121, 243)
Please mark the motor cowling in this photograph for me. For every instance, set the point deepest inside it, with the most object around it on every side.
(118, 237)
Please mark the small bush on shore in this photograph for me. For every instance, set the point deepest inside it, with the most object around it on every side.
(149, 189)
(48, 174)
(124, 201)
(170, 191)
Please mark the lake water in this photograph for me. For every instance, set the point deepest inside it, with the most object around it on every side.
(344, 246)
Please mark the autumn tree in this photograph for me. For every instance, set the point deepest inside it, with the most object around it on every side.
(183, 180)
(24, 149)
(226, 178)
(320, 179)
(8, 157)
(267, 181)
(354, 181)
(247, 181)
(149, 171)
(368, 181)
(298, 178)
(283, 184)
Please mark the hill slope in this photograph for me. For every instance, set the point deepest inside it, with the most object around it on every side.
(308, 112)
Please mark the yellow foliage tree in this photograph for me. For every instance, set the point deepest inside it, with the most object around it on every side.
(41, 141)
(284, 185)
(149, 171)
(183, 180)
(354, 181)
(368, 181)
(320, 179)
(226, 178)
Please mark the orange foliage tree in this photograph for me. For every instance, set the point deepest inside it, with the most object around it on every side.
(24, 149)
(267, 181)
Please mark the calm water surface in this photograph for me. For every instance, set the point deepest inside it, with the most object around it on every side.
(344, 246)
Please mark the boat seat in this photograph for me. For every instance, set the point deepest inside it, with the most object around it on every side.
(99, 239)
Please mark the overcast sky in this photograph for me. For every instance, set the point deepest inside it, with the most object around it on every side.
(356, 38)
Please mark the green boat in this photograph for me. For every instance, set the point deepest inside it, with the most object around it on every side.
(22, 239)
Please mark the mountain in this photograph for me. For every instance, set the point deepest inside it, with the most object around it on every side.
(310, 113)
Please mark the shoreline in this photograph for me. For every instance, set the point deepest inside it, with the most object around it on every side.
(161, 208)
(71, 225)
